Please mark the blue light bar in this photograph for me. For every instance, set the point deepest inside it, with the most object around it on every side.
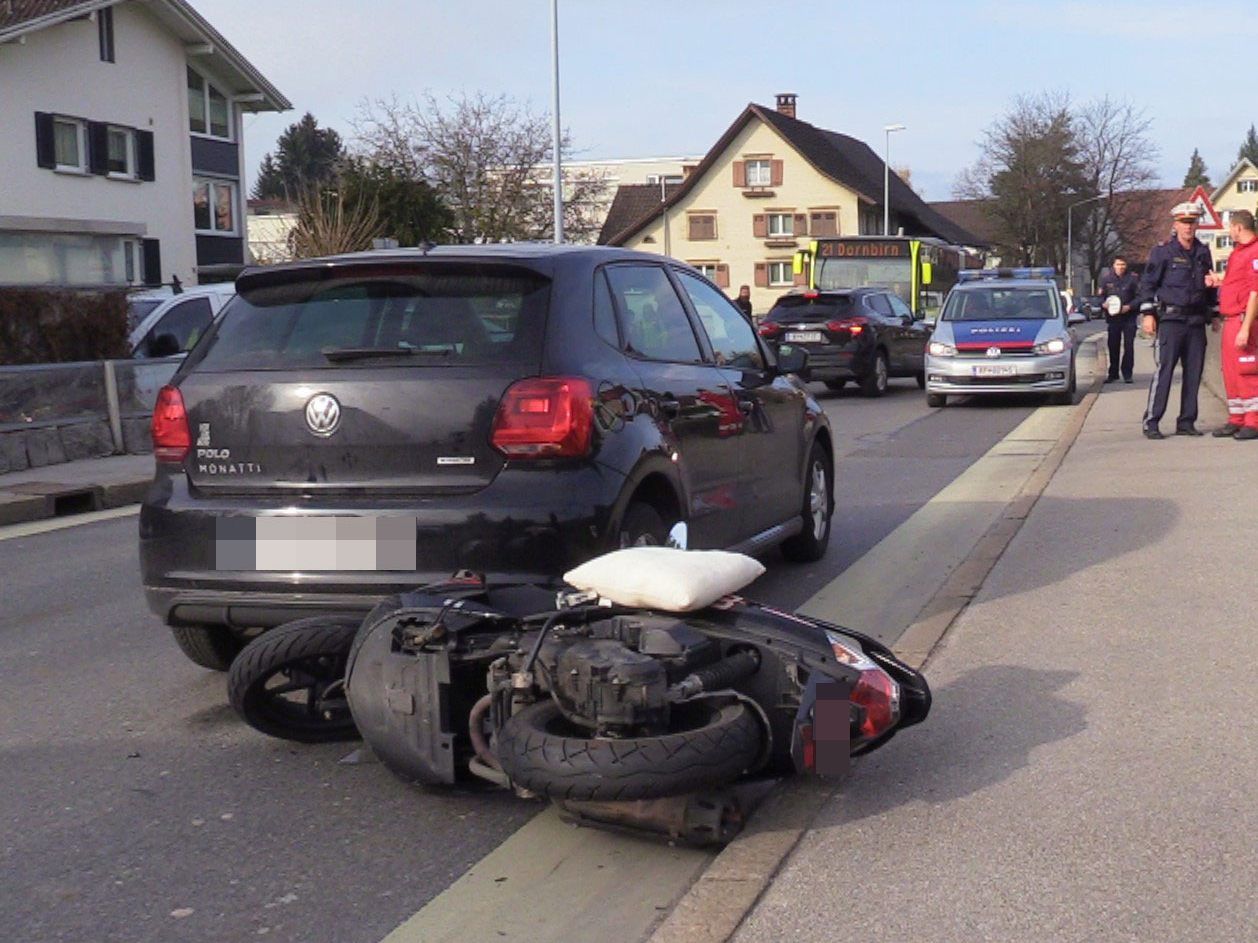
(975, 275)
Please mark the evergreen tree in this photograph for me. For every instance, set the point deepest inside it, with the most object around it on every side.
(306, 157)
(1250, 148)
(1197, 175)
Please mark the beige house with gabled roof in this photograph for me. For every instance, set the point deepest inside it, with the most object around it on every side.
(1238, 192)
(767, 186)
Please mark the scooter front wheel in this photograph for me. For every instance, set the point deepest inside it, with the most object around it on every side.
(542, 751)
(290, 682)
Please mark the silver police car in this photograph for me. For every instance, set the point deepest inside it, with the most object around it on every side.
(1003, 331)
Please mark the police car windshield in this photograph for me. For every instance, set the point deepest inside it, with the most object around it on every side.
(1000, 303)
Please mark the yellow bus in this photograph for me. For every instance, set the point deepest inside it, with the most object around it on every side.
(920, 269)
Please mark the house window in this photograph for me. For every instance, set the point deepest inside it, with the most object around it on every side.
(1223, 242)
(702, 226)
(209, 111)
(781, 225)
(120, 159)
(780, 274)
(1220, 266)
(759, 173)
(666, 179)
(105, 27)
(706, 269)
(214, 206)
(1247, 186)
(70, 144)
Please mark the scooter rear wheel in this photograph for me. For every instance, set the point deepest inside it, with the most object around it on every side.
(543, 752)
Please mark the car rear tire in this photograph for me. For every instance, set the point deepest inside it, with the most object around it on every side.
(210, 646)
(809, 545)
(874, 383)
(936, 400)
(541, 751)
(306, 657)
(642, 526)
(835, 385)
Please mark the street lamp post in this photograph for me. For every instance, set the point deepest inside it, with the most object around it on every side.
(1070, 239)
(554, 57)
(886, 179)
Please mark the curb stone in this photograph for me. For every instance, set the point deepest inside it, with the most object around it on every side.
(714, 907)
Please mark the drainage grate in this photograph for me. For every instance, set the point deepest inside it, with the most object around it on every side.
(74, 502)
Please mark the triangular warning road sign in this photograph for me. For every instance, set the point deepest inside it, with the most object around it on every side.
(1210, 218)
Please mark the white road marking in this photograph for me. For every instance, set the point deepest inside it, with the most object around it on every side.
(14, 531)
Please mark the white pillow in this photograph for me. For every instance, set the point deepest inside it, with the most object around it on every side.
(664, 577)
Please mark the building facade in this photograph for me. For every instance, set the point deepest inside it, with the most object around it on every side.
(1238, 192)
(121, 144)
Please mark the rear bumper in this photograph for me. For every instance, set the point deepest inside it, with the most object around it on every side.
(834, 363)
(1046, 374)
(512, 526)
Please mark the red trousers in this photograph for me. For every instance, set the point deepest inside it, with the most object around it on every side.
(1242, 391)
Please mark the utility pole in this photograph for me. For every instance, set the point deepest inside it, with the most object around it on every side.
(554, 56)
(886, 179)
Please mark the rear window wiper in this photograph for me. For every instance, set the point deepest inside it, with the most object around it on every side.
(345, 354)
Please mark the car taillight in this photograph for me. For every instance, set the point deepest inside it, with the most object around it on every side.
(769, 329)
(545, 417)
(171, 438)
(853, 325)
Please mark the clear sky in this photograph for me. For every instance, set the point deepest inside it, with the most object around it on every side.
(642, 78)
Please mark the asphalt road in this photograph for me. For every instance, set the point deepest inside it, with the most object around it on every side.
(136, 807)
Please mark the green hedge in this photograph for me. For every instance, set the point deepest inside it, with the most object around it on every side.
(41, 325)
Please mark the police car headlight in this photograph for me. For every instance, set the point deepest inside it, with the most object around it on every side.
(1056, 345)
(940, 349)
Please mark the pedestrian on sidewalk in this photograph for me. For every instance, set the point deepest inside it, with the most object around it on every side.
(1123, 285)
(1238, 304)
(743, 301)
(1175, 302)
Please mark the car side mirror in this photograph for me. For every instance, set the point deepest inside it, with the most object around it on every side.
(792, 360)
(1076, 318)
(163, 345)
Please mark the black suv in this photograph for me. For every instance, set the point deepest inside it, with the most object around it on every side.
(353, 426)
(861, 334)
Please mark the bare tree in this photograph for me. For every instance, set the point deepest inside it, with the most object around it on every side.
(328, 225)
(1117, 157)
(488, 159)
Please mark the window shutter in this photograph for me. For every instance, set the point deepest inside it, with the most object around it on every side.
(740, 173)
(762, 275)
(801, 224)
(152, 261)
(45, 144)
(760, 226)
(144, 155)
(722, 276)
(776, 171)
(97, 147)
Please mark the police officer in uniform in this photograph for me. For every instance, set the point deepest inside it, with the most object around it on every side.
(1176, 277)
(1122, 284)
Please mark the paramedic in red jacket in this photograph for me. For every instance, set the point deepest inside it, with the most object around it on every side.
(1238, 303)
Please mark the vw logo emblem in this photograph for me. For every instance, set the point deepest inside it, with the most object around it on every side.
(993, 351)
(323, 414)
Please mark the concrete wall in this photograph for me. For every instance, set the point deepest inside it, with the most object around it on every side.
(802, 189)
(59, 70)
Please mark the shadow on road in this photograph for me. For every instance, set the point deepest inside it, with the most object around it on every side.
(982, 729)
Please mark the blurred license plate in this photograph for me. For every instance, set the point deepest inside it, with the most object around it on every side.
(269, 544)
(991, 370)
(804, 337)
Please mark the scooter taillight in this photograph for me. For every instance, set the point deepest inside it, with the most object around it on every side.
(876, 694)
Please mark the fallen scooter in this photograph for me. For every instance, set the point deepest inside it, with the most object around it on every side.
(627, 715)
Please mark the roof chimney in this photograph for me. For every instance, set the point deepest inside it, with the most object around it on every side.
(786, 104)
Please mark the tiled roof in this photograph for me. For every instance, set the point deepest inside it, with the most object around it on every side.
(14, 13)
(843, 159)
(634, 203)
(970, 215)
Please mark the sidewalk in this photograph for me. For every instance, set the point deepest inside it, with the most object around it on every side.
(74, 487)
(1088, 768)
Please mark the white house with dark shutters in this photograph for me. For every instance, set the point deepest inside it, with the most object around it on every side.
(121, 149)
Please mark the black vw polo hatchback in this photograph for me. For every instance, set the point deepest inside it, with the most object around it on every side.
(354, 426)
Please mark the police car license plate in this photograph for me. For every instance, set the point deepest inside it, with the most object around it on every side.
(804, 337)
(995, 370)
(313, 544)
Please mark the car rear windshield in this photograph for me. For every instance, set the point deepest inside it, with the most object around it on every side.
(1000, 304)
(797, 306)
(431, 315)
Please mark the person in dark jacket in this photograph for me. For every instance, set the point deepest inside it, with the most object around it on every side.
(1123, 285)
(1175, 303)
(744, 300)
